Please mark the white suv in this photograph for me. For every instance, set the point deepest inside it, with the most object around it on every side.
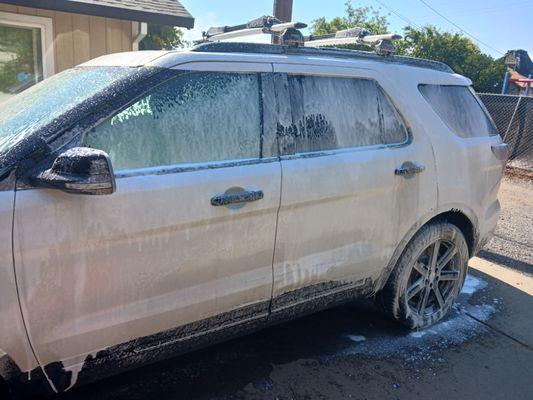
(226, 188)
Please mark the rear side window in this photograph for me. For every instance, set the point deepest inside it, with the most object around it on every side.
(459, 108)
(334, 113)
(196, 117)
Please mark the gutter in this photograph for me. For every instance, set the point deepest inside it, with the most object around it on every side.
(139, 32)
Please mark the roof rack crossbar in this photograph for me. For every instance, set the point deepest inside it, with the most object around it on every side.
(383, 43)
(263, 25)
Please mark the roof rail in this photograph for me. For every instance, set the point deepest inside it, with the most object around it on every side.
(289, 35)
(262, 48)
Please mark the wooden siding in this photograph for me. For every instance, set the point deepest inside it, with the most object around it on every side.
(78, 38)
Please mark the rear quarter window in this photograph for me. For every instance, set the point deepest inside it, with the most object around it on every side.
(459, 109)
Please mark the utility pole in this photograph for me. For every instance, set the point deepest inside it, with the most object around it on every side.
(283, 12)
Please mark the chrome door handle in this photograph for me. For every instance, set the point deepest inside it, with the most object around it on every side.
(409, 168)
(236, 196)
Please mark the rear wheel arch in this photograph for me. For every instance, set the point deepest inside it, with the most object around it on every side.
(464, 223)
(462, 217)
(428, 277)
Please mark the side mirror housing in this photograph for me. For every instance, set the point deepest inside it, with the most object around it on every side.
(80, 170)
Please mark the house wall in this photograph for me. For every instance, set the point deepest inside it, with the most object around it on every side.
(78, 38)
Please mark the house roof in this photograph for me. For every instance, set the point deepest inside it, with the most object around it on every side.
(519, 61)
(164, 12)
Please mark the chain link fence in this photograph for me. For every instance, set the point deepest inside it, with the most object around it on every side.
(513, 116)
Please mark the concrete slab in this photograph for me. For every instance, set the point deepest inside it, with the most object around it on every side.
(514, 290)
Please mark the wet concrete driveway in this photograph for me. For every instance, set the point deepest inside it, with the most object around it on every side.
(484, 350)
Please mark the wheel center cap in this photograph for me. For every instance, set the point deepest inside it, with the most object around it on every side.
(432, 276)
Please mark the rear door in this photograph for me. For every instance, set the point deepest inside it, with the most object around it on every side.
(339, 222)
(186, 241)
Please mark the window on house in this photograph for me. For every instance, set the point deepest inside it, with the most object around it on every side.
(197, 117)
(333, 113)
(23, 52)
(460, 110)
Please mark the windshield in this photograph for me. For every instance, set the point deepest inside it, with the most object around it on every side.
(38, 106)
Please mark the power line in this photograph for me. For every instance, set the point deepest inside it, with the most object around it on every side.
(458, 27)
(402, 17)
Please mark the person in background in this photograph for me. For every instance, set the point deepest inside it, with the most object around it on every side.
(26, 74)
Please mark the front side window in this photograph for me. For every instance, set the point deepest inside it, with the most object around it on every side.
(333, 113)
(460, 110)
(197, 117)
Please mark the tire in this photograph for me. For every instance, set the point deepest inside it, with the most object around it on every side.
(4, 390)
(428, 277)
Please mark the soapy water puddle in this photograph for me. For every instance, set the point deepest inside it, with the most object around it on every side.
(424, 345)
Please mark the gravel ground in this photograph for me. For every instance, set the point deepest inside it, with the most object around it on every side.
(483, 350)
(512, 244)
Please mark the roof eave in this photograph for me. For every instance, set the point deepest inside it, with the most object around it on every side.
(184, 21)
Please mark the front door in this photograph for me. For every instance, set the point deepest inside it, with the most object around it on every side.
(186, 240)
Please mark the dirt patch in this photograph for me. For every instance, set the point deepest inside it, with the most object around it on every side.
(519, 173)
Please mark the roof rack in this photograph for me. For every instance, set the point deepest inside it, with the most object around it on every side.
(289, 35)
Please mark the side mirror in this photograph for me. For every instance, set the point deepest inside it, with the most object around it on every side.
(79, 170)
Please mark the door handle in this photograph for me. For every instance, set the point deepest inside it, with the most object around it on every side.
(409, 168)
(236, 196)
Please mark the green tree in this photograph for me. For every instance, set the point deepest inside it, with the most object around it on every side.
(459, 52)
(362, 17)
(162, 37)
(454, 49)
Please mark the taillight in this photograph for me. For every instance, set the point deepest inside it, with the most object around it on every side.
(501, 151)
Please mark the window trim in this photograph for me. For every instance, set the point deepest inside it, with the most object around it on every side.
(188, 167)
(476, 98)
(47, 35)
(321, 153)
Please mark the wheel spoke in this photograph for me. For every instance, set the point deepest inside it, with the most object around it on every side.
(449, 276)
(446, 258)
(438, 295)
(421, 268)
(434, 256)
(423, 300)
(415, 288)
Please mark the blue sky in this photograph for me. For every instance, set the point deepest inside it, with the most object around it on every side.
(503, 25)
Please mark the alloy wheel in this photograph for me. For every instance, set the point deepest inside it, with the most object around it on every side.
(434, 278)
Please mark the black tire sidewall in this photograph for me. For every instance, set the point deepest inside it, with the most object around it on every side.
(424, 238)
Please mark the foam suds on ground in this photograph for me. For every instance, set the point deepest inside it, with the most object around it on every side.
(424, 345)
(356, 338)
(472, 285)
